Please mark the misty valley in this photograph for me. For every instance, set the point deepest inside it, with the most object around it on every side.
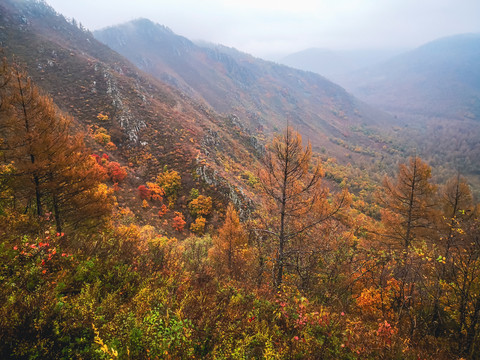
(169, 198)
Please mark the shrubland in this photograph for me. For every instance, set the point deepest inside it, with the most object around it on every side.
(390, 271)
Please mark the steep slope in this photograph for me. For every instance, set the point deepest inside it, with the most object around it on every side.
(151, 123)
(441, 78)
(261, 94)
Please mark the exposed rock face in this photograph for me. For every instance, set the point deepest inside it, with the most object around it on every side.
(257, 145)
(210, 141)
(122, 113)
(212, 145)
(236, 195)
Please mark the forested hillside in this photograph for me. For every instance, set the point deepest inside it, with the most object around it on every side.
(430, 94)
(138, 223)
(435, 90)
(263, 95)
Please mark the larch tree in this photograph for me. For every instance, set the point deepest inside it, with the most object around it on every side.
(409, 201)
(457, 201)
(296, 200)
(460, 267)
(230, 253)
(455, 229)
(53, 171)
(408, 217)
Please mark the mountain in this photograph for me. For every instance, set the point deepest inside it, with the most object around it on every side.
(440, 79)
(150, 123)
(262, 94)
(333, 64)
(208, 106)
(320, 269)
(207, 115)
(435, 91)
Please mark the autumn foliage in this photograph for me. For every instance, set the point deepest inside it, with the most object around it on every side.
(198, 226)
(112, 169)
(230, 253)
(116, 172)
(178, 221)
(170, 182)
(201, 206)
(299, 274)
(163, 210)
(295, 198)
(144, 193)
(53, 172)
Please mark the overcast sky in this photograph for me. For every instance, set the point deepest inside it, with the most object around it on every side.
(267, 28)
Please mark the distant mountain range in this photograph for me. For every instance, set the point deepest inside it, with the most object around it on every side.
(335, 64)
(207, 112)
(191, 104)
(434, 90)
(438, 79)
(264, 95)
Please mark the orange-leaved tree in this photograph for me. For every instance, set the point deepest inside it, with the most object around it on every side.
(178, 221)
(458, 283)
(200, 206)
(295, 198)
(409, 202)
(408, 215)
(230, 253)
(53, 170)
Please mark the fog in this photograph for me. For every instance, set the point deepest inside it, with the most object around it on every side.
(270, 28)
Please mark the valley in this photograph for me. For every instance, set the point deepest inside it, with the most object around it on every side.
(163, 198)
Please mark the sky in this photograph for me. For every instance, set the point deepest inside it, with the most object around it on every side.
(272, 28)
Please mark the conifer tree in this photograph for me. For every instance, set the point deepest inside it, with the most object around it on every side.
(296, 199)
(230, 253)
(457, 201)
(409, 201)
(456, 214)
(53, 171)
(408, 217)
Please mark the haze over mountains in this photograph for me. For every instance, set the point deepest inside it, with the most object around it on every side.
(416, 87)
(438, 79)
(441, 79)
(211, 106)
(335, 64)
(159, 198)
(435, 89)
(260, 96)
(263, 94)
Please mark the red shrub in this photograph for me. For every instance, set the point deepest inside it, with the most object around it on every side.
(144, 192)
(116, 172)
(178, 221)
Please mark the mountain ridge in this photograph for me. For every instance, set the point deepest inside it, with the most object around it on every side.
(334, 63)
(150, 123)
(440, 78)
(263, 94)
